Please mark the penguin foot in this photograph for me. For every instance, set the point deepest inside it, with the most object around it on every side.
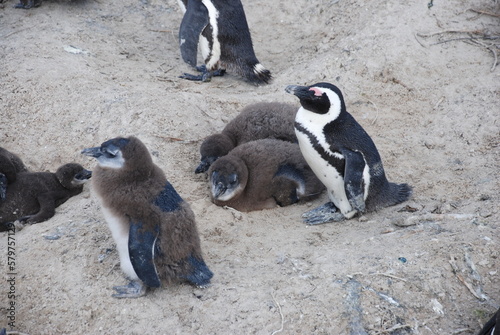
(28, 4)
(134, 289)
(205, 75)
(323, 214)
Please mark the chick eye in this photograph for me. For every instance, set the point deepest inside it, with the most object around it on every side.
(233, 179)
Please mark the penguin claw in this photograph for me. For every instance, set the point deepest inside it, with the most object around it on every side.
(325, 218)
(205, 76)
(329, 207)
(134, 289)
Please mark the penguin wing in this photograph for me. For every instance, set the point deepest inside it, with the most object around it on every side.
(194, 21)
(289, 184)
(142, 240)
(490, 328)
(353, 178)
(141, 248)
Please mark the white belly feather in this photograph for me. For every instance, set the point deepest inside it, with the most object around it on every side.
(119, 227)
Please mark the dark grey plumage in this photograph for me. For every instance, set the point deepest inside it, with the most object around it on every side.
(342, 155)
(220, 28)
(262, 174)
(10, 166)
(492, 327)
(256, 121)
(34, 196)
(153, 227)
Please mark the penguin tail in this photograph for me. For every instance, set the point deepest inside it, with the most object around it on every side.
(258, 74)
(398, 193)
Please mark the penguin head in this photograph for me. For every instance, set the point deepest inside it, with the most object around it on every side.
(228, 177)
(72, 175)
(213, 147)
(320, 98)
(121, 153)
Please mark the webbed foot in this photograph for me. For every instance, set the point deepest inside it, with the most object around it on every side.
(323, 214)
(134, 289)
(205, 75)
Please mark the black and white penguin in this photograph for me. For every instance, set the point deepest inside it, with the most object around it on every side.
(220, 28)
(256, 121)
(10, 166)
(492, 327)
(262, 174)
(34, 196)
(153, 227)
(342, 155)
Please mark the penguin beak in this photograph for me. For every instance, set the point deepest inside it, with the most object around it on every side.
(219, 189)
(301, 92)
(84, 175)
(205, 164)
(92, 152)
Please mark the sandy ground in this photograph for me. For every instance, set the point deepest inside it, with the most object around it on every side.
(73, 74)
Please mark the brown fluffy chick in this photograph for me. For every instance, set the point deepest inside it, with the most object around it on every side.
(10, 166)
(34, 196)
(262, 174)
(153, 227)
(256, 121)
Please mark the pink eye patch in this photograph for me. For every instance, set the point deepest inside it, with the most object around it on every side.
(316, 91)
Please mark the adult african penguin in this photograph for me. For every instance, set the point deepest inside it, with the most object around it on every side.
(10, 166)
(153, 227)
(342, 155)
(220, 28)
(34, 196)
(256, 121)
(262, 174)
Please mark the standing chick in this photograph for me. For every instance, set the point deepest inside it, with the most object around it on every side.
(10, 166)
(34, 196)
(153, 227)
(221, 29)
(262, 174)
(342, 155)
(256, 121)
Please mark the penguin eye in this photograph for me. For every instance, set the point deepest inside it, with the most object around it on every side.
(233, 179)
(110, 151)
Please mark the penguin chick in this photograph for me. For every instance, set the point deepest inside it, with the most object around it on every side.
(262, 174)
(492, 327)
(256, 121)
(220, 28)
(34, 196)
(10, 166)
(153, 227)
(342, 155)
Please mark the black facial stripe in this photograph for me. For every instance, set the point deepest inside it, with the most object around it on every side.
(336, 162)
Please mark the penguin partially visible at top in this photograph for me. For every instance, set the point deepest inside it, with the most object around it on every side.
(153, 227)
(34, 196)
(256, 121)
(10, 166)
(262, 174)
(342, 155)
(492, 327)
(220, 28)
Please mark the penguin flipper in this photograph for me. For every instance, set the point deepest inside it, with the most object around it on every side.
(491, 326)
(289, 183)
(353, 178)
(141, 248)
(194, 21)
